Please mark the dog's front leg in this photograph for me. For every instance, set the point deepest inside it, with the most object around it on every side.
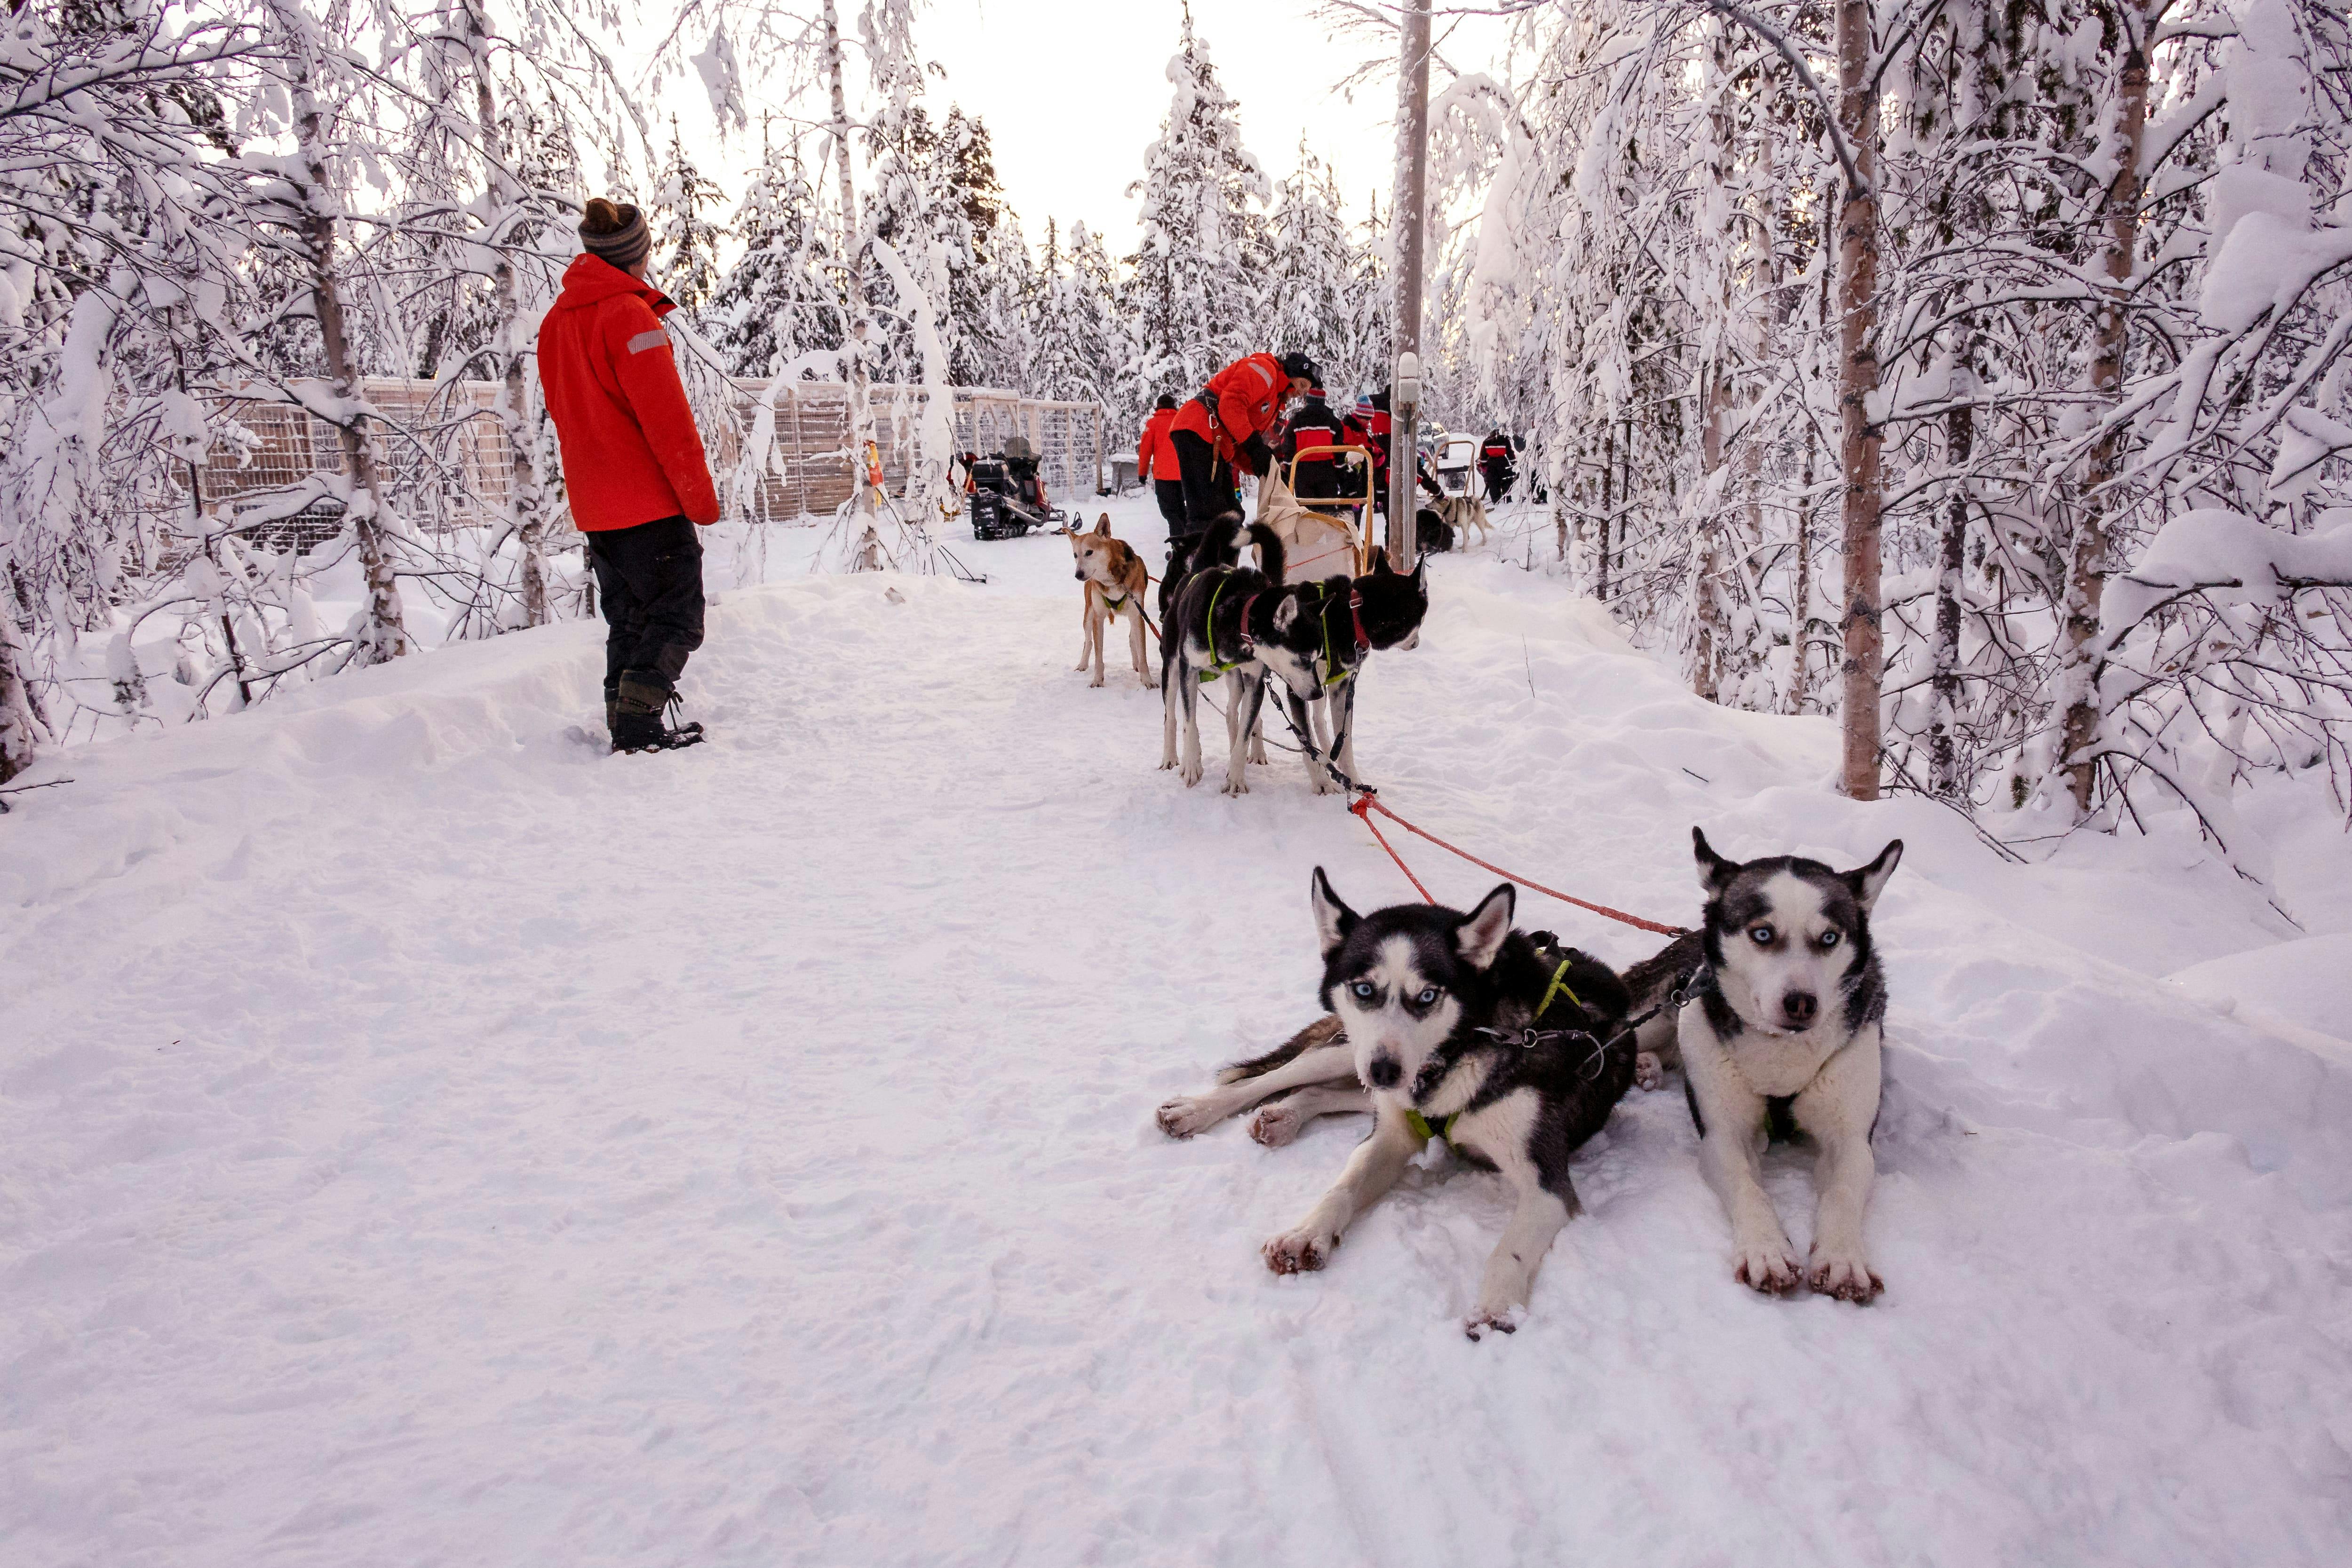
(1135, 638)
(1654, 1052)
(1302, 719)
(1085, 627)
(1731, 1130)
(1372, 1170)
(1283, 1121)
(1190, 1113)
(1249, 691)
(1343, 724)
(1837, 1108)
(1097, 624)
(1257, 738)
(1172, 680)
(1190, 695)
(1511, 1270)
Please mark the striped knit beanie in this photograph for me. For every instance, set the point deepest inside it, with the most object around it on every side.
(617, 233)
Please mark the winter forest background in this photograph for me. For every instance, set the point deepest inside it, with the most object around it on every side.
(2056, 293)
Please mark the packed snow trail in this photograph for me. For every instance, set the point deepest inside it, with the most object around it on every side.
(426, 1139)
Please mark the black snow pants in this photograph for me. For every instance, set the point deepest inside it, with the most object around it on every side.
(1207, 481)
(1499, 481)
(1170, 493)
(650, 579)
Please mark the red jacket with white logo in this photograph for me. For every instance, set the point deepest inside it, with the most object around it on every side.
(631, 454)
(1248, 394)
(1153, 456)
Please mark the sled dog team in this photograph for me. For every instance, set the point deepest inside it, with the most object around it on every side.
(1300, 618)
(1514, 1049)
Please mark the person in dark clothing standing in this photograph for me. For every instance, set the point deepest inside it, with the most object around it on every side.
(1317, 476)
(634, 468)
(1495, 462)
(1155, 461)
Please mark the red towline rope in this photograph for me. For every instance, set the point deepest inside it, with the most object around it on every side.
(1366, 803)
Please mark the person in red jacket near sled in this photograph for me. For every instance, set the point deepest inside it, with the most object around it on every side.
(1155, 464)
(1224, 427)
(633, 468)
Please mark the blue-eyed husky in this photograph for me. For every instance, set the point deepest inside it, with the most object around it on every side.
(1461, 1028)
(1775, 1006)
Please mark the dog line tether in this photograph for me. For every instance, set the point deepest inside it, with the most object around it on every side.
(1368, 801)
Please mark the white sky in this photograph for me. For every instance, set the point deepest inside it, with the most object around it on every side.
(1072, 92)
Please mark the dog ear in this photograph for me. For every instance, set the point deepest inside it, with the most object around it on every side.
(1333, 919)
(1103, 527)
(1380, 561)
(1868, 880)
(1715, 872)
(1480, 935)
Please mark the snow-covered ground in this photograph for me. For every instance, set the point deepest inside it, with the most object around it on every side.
(426, 1139)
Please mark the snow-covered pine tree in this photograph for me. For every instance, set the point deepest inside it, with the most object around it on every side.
(688, 234)
(1008, 281)
(1189, 292)
(778, 304)
(1312, 273)
(1074, 328)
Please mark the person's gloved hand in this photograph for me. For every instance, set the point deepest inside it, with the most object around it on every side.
(1255, 456)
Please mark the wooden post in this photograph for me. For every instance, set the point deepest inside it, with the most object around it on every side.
(1408, 215)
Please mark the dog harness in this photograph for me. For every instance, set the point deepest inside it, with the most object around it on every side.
(1424, 1129)
(1241, 628)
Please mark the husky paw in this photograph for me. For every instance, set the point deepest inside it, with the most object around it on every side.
(1096, 682)
(1191, 774)
(1844, 1275)
(1491, 1320)
(1648, 1071)
(1299, 1251)
(1236, 784)
(1276, 1126)
(1184, 1115)
(1766, 1267)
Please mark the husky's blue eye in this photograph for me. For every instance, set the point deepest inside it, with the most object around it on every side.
(1428, 997)
(1763, 935)
(1362, 990)
(1828, 939)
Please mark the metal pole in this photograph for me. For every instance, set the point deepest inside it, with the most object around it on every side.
(1410, 203)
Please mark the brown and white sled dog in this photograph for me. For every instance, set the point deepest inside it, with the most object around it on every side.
(1779, 1034)
(1462, 1029)
(1115, 579)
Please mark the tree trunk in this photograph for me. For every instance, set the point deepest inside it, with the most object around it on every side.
(861, 323)
(1859, 434)
(1607, 503)
(525, 503)
(385, 635)
(1960, 440)
(1801, 610)
(21, 727)
(2080, 664)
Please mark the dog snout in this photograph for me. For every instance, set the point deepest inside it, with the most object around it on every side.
(1801, 1008)
(1382, 1073)
(1081, 574)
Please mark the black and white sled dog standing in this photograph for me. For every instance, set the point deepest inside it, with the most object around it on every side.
(1774, 1007)
(1463, 1029)
(1231, 622)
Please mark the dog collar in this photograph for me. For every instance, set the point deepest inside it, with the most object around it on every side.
(1356, 618)
(1424, 1129)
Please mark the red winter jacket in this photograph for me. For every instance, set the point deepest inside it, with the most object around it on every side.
(1153, 450)
(1248, 393)
(631, 454)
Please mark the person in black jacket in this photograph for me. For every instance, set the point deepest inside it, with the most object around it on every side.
(1495, 462)
(1313, 424)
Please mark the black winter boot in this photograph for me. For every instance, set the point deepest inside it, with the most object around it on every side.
(637, 723)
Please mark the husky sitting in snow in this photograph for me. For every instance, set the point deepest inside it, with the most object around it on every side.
(1227, 620)
(1113, 579)
(1773, 1010)
(1463, 1029)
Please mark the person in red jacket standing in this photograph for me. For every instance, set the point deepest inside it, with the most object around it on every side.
(1225, 427)
(633, 468)
(1155, 461)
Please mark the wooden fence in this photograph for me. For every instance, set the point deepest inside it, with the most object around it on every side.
(443, 455)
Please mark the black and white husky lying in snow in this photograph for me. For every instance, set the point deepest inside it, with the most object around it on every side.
(1772, 1009)
(1462, 1029)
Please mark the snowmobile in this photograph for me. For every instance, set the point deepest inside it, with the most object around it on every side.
(1008, 498)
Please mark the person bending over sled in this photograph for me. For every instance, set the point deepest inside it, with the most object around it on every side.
(1224, 426)
(633, 462)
